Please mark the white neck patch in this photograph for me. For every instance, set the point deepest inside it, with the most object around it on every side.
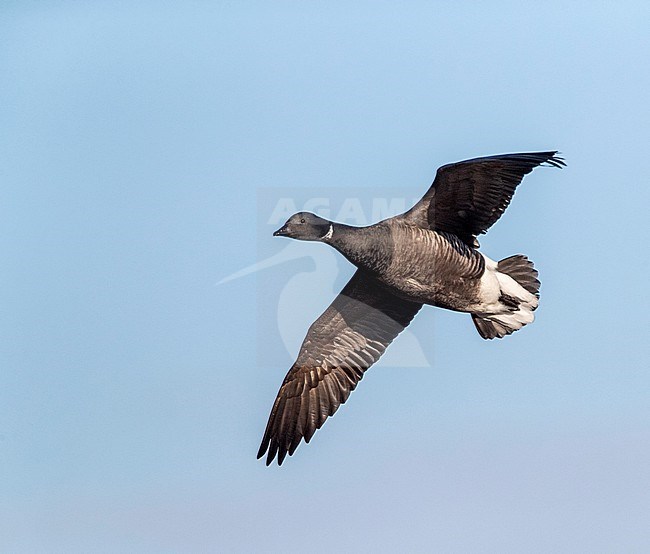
(329, 233)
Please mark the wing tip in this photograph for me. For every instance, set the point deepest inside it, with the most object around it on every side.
(555, 159)
(267, 447)
(273, 451)
(550, 158)
(281, 454)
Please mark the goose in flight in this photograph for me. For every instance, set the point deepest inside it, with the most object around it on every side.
(428, 255)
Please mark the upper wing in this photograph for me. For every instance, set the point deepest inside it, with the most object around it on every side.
(467, 197)
(340, 345)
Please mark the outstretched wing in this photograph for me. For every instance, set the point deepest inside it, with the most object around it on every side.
(466, 198)
(340, 346)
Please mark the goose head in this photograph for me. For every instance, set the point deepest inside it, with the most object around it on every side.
(305, 226)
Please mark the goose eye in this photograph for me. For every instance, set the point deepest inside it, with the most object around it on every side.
(302, 220)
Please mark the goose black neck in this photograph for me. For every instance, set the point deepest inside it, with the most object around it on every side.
(369, 248)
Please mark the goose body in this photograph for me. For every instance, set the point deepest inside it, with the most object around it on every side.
(426, 256)
(416, 264)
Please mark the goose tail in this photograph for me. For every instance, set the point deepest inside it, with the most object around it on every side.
(519, 298)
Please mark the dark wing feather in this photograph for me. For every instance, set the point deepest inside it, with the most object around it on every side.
(466, 198)
(339, 347)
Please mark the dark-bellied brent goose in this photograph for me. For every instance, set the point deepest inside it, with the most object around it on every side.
(428, 255)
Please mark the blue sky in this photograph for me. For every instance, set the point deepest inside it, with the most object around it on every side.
(137, 141)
